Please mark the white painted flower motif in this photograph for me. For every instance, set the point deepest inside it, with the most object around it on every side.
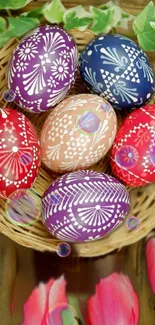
(111, 57)
(147, 70)
(36, 38)
(90, 77)
(28, 51)
(127, 94)
(52, 83)
(65, 55)
(21, 66)
(60, 69)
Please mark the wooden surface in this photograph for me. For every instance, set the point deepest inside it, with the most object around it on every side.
(81, 275)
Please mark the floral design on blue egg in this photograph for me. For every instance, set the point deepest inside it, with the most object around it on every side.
(116, 68)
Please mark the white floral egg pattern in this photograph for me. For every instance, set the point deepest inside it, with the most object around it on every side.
(43, 68)
(78, 133)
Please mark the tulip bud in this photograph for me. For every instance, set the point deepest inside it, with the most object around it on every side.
(115, 302)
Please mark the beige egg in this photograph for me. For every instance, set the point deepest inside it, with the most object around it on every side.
(78, 133)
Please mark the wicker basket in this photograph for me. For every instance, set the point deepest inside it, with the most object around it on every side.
(36, 237)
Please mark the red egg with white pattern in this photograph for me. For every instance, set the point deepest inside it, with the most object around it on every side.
(133, 151)
(19, 152)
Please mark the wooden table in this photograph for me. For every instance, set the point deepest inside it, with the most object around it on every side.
(81, 275)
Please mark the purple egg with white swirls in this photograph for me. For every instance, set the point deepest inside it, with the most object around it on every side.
(91, 204)
(43, 68)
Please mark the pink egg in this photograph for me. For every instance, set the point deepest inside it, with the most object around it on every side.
(78, 133)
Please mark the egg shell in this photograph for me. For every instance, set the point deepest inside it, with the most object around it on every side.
(133, 151)
(116, 68)
(19, 152)
(89, 205)
(43, 68)
(78, 133)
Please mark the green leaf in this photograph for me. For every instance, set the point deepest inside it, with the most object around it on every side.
(2, 24)
(125, 18)
(17, 28)
(143, 27)
(77, 17)
(152, 23)
(120, 18)
(68, 317)
(13, 4)
(54, 12)
(102, 20)
(36, 13)
(73, 301)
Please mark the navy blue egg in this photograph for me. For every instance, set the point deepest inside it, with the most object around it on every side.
(114, 67)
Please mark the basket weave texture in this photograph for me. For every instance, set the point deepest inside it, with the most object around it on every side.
(142, 199)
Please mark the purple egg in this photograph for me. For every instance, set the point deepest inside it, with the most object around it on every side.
(43, 68)
(92, 204)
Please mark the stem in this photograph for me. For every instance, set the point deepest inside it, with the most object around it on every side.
(9, 12)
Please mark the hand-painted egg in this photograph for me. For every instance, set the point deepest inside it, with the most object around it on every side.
(19, 152)
(84, 205)
(78, 133)
(43, 68)
(133, 151)
(116, 68)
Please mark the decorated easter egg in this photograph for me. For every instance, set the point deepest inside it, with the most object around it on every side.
(19, 152)
(78, 133)
(133, 151)
(84, 205)
(43, 68)
(116, 68)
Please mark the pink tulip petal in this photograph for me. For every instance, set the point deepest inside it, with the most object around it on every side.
(57, 292)
(150, 262)
(35, 306)
(42, 300)
(56, 296)
(114, 302)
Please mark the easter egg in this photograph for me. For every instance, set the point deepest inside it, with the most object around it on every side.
(133, 151)
(78, 133)
(116, 68)
(91, 204)
(19, 152)
(43, 68)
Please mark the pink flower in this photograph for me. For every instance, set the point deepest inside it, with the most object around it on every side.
(43, 299)
(114, 303)
(150, 262)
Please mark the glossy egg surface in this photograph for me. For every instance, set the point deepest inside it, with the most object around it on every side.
(19, 152)
(116, 68)
(84, 205)
(78, 133)
(43, 68)
(133, 151)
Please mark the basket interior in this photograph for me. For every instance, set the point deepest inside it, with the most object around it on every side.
(36, 236)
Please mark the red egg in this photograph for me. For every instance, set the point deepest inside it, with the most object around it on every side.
(133, 151)
(19, 152)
